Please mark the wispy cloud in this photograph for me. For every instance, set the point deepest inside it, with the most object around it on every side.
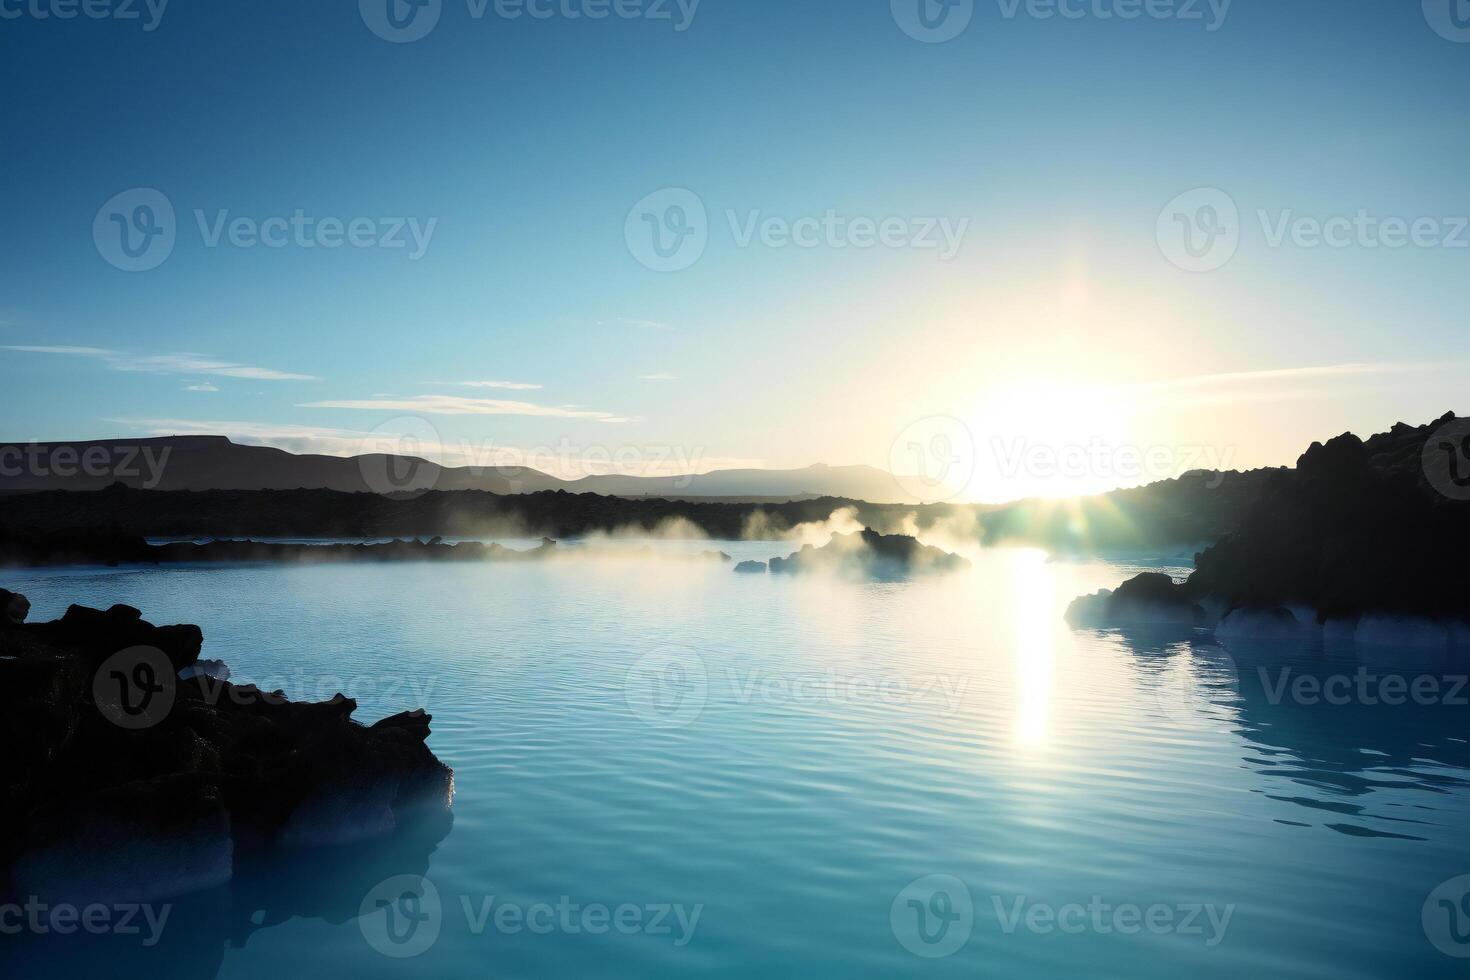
(201, 386)
(78, 351)
(166, 363)
(1282, 384)
(505, 385)
(1286, 374)
(456, 405)
(658, 377)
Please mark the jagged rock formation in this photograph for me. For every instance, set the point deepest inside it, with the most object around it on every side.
(1356, 530)
(124, 782)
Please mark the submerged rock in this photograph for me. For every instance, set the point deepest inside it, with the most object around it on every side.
(127, 780)
(870, 555)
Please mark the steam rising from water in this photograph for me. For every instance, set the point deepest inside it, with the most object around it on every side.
(959, 532)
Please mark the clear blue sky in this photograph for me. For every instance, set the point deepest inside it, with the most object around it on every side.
(528, 141)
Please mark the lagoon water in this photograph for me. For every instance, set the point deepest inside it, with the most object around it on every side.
(667, 769)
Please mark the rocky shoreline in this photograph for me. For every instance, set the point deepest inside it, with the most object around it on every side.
(1363, 540)
(136, 771)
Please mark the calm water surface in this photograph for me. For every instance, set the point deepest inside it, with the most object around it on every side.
(665, 769)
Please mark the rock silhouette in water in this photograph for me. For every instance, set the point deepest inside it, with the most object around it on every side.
(870, 555)
(125, 782)
(1356, 532)
(1150, 599)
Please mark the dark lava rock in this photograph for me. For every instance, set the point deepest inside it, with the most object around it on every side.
(1150, 599)
(1357, 528)
(97, 635)
(169, 785)
(870, 555)
(14, 608)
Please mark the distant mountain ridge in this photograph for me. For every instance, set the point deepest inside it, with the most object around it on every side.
(217, 463)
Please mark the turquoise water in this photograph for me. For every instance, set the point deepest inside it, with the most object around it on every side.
(822, 778)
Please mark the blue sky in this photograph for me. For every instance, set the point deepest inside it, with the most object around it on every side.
(521, 145)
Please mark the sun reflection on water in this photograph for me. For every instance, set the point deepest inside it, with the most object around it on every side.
(1034, 624)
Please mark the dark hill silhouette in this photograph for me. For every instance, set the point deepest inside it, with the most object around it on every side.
(217, 463)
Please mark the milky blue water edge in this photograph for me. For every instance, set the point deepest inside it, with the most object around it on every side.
(667, 769)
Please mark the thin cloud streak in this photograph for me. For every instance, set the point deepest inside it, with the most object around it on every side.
(1285, 375)
(167, 363)
(78, 351)
(456, 405)
(505, 385)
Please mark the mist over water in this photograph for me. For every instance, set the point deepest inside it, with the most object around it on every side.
(792, 756)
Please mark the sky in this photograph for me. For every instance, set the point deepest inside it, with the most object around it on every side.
(1027, 247)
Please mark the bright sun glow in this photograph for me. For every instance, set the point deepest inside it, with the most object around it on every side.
(1049, 439)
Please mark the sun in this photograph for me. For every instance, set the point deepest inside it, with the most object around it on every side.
(1048, 438)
